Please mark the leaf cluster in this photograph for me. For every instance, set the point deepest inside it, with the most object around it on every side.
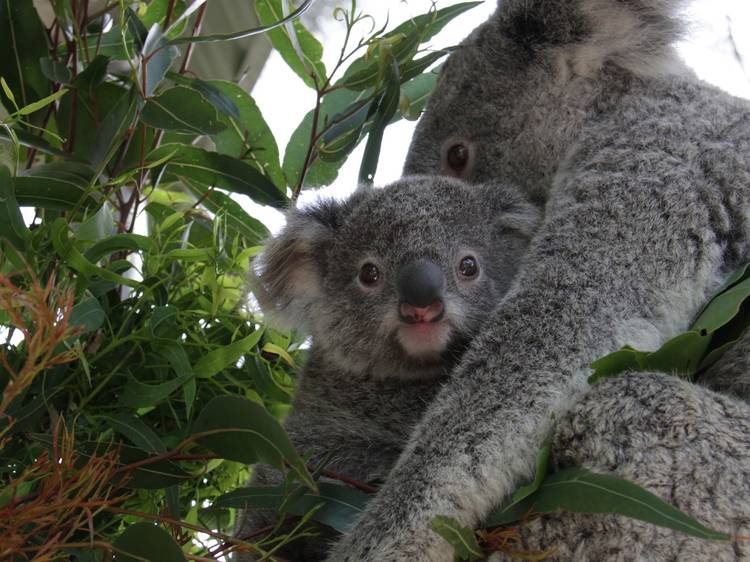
(128, 350)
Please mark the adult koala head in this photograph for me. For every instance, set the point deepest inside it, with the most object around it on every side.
(394, 281)
(510, 100)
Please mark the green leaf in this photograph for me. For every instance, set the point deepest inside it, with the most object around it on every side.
(415, 93)
(136, 431)
(723, 307)
(89, 314)
(40, 104)
(215, 96)
(321, 172)
(219, 170)
(98, 226)
(462, 539)
(217, 359)
(248, 134)
(157, 56)
(60, 186)
(119, 243)
(542, 463)
(580, 491)
(23, 42)
(243, 431)
(145, 542)
(175, 355)
(12, 226)
(71, 256)
(136, 394)
(93, 75)
(99, 116)
(345, 131)
(340, 505)
(387, 106)
(183, 110)
(304, 61)
(34, 141)
(55, 71)
(237, 220)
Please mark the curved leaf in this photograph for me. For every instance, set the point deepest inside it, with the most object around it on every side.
(218, 170)
(243, 431)
(580, 491)
(301, 51)
(462, 539)
(145, 542)
(182, 110)
(58, 186)
(12, 226)
(340, 505)
(23, 43)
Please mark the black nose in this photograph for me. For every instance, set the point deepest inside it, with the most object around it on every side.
(421, 283)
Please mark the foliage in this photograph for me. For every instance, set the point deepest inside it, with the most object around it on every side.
(136, 384)
(716, 329)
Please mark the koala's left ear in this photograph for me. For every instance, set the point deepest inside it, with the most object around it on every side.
(289, 272)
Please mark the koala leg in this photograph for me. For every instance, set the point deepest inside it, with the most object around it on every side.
(685, 444)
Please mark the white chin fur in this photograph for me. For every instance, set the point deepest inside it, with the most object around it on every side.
(424, 341)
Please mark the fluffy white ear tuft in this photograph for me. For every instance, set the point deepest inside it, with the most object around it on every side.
(288, 274)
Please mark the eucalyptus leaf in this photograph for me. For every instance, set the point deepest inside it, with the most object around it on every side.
(299, 49)
(340, 505)
(12, 226)
(217, 359)
(145, 542)
(241, 430)
(23, 42)
(58, 185)
(157, 57)
(211, 169)
(387, 107)
(136, 431)
(580, 491)
(462, 539)
(183, 110)
(88, 314)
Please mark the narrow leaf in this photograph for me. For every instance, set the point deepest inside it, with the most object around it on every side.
(218, 170)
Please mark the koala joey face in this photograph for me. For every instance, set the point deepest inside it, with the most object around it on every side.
(394, 281)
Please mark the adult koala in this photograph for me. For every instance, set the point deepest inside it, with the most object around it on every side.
(645, 174)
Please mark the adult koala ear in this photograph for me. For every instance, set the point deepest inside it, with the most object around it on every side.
(634, 34)
(510, 209)
(287, 277)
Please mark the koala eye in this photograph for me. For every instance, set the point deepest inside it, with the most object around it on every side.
(468, 267)
(457, 156)
(369, 274)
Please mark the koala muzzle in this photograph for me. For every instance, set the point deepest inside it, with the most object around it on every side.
(420, 287)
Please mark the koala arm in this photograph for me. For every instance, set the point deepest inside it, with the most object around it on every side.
(685, 444)
(619, 260)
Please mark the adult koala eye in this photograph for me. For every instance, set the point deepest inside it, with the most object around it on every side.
(457, 157)
(468, 267)
(369, 275)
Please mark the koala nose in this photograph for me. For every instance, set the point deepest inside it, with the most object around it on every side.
(420, 283)
(416, 314)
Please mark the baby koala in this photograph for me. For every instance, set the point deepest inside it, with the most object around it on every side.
(391, 284)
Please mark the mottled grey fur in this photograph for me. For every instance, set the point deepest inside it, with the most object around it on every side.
(361, 390)
(644, 172)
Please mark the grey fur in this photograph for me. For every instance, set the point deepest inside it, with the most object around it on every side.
(645, 175)
(362, 389)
